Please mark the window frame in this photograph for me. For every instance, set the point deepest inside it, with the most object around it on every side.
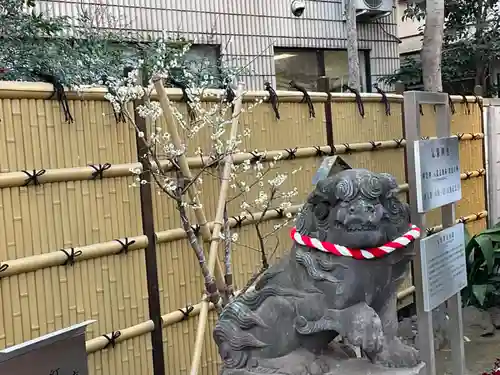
(129, 45)
(320, 60)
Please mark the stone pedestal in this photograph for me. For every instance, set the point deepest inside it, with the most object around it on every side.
(302, 362)
(364, 367)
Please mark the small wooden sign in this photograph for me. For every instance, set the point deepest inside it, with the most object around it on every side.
(57, 353)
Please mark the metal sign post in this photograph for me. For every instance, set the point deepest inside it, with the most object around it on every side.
(57, 353)
(434, 181)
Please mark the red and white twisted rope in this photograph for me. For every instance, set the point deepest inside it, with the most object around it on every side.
(374, 252)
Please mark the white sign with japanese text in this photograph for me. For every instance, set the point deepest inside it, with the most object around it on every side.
(437, 169)
(56, 353)
(444, 269)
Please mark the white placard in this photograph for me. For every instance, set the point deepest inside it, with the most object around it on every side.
(58, 353)
(437, 170)
(444, 269)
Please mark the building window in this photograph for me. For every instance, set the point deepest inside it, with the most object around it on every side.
(305, 66)
(203, 61)
(300, 66)
(337, 70)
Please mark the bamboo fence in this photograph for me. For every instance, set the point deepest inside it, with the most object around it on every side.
(77, 242)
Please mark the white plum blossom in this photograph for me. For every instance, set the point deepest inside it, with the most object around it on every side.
(256, 185)
(151, 109)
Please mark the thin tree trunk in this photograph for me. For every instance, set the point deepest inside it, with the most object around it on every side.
(352, 45)
(432, 46)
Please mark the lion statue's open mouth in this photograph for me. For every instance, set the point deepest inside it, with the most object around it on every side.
(355, 208)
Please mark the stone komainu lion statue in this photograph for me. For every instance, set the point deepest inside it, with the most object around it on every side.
(299, 305)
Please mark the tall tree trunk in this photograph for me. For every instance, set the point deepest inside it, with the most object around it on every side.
(480, 16)
(432, 46)
(431, 71)
(352, 45)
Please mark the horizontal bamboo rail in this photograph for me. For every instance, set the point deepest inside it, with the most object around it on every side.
(72, 255)
(122, 245)
(38, 90)
(106, 170)
(319, 151)
(91, 172)
(187, 312)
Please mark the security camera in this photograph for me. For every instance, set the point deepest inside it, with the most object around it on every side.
(298, 7)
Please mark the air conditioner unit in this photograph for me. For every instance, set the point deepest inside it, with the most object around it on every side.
(372, 9)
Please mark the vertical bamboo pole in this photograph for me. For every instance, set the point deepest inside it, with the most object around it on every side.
(214, 237)
(218, 224)
(184, 167)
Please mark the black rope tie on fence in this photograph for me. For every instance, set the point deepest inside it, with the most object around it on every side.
(375, 145)
(359, 101)
(292, 153)
(239, 221)
(125, 245)
(481, 172)
(118, 112)
(71, 255)
(185, 97)
(319, 151)
(273, 99)
(256, 157)
(213, 163)
(478, 102)
(196, 229)
(468, 175)
(424, 138)
(399, 142)
(348, 148)
(59, 92)
(475, 136)
(464, 100)
(119, 115)
(478, 215)
(54, 372)
(451, 104)
(112, 339)
(430, 231)
(462, 220)
(421, 109)
(187, 312)
(460, 136)
(99, 169)
(3, 267)
(384, 100)
(280, 212)
(33, 176)
(229, 96)
(305, 99)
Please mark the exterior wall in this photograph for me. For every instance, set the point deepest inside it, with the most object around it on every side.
(410, 32)
(492, 129)
(248, 29)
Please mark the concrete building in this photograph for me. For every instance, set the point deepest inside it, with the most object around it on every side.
(409, 31)
(265, 36)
